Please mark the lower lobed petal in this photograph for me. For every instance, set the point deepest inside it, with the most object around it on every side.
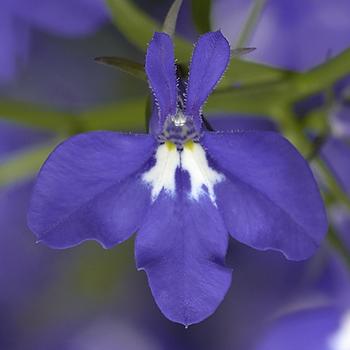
(182, 246)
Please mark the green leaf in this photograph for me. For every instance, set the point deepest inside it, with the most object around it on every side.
(201, 15)
(133, 68)
(25, 164)
(241, 51)
(138, 27)
(169, 25)
(36, 116)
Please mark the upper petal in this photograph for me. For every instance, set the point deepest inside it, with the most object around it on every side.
(210, 58)
(161, 73)
(181, 246)
(269, 199)
(91, 188)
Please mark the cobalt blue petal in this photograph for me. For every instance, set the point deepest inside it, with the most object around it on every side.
(210, 58)
(269, 198)
(181, 246)
(89, 188)
(161, 73)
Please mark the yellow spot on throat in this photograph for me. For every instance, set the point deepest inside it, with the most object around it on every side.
(189, 145)
(170, 145)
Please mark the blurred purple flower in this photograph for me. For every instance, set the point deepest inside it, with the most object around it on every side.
(181, 188)
(321, 320)
(60, 17)
(321, 328)
(292, 34)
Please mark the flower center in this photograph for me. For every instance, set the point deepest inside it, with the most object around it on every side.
(178, 129)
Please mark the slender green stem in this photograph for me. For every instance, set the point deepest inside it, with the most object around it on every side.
(169, 25)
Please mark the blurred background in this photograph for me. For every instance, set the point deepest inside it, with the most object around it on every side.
(296, 82)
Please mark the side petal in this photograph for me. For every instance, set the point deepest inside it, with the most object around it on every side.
(161, 73)
(269, 199)
(210, 58)
(181, 246)
(89, 188)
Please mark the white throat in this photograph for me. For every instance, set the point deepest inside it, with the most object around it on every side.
(162, 176)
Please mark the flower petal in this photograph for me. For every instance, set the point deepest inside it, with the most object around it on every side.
(181, 246)
(210, 58)
(161, 73)
(269, 199)
(89, 188)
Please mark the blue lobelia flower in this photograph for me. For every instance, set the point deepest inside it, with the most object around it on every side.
(181, 188)
(319, 319)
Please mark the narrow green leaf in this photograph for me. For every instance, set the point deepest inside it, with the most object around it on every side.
(133, 68)
(240, 51)
(138, 27)
(36, 116)
(25, 164)
(201, 15)
(169, 25)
